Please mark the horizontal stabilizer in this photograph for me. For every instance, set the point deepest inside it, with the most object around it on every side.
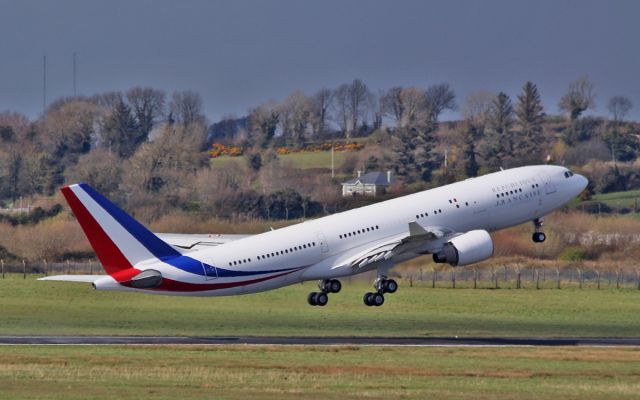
(72, 278)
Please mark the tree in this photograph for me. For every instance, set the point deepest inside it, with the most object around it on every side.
(186, 107)
(121, 135)
(263, 121)
(501, 113)
(320, 104)
(619, 107)
(415, 114)
(471, 166)
(148, 106)
(294, 117)
(476, 110)
(499, 142)
(404, 154)
(425, 157)
(70, 127)
(100, 168)
(580, 97)
(530, 116)
(391, 104)
(351, 105)
(440, 97)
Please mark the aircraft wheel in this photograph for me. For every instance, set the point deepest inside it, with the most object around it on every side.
(334, 286)
(377, 299)
(311, 299)
(539, 237)
(368, 299)
(390, 286)
(322, 299)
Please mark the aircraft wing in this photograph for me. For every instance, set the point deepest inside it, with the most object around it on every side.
(416, 239)
(197, 241)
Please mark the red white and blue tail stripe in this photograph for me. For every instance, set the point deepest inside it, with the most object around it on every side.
(125, 248)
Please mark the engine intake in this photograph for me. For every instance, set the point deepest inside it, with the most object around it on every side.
(468, 248)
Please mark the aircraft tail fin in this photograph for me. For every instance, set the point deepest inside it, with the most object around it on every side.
(119, 241)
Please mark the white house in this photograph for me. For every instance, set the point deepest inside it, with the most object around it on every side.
(369, 184)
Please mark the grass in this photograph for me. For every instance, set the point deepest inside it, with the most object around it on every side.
(297, 160)
(270, 372)
(615, 200)
(30, 307)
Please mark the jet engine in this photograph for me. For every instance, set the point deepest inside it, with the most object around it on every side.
(468, 248)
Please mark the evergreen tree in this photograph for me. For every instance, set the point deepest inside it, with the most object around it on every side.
(530, 116)
(499, 145)
(471, 166)
(425, 158)
(121, 131)
(403, 148)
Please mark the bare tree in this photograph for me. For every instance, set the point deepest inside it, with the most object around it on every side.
(341, 105)
(476, 109)
(439, 98)
(108, 100)
(391, 104)
(619, 107)
(320, 104)
(147, 105)
(352, 101)
(414, 101)
(295, 116)
(579, 97)
(263, 122)
(186, 107)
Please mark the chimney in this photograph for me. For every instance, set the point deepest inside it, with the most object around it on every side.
(359, 173)
(389, 176)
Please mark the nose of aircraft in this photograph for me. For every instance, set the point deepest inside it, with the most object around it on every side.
(581, 183)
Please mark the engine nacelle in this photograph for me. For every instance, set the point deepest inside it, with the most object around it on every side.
(468, 248)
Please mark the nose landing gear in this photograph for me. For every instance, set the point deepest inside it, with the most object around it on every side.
(538, 235)
(322, 298)
(382, 286)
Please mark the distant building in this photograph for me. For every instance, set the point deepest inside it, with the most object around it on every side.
(369, 184)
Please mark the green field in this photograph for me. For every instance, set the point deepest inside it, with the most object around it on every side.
(618, 199)
(629, 199)
(297, 160)
(271, 372)
(31, 307)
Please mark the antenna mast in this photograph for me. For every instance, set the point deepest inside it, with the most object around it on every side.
(44, 84)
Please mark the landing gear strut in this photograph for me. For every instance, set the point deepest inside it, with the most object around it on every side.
(538, 235)
(322, 298)
(382, 286)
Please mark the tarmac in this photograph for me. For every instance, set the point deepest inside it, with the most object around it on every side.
(317, 341)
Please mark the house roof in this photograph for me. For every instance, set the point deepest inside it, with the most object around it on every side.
(372, 178)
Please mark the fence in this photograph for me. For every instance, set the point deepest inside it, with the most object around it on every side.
(495, 277)
(514, 277)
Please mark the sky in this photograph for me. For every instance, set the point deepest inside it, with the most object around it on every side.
(238, 54)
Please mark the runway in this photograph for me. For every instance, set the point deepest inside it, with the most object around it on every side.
(315, 341)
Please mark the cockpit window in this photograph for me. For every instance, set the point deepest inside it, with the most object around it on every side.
(568, 174)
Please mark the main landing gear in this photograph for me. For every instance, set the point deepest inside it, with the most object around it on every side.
(382, 286)
(538, 235)
(326, 286)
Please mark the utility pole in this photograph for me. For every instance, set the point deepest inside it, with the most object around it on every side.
(333, 174)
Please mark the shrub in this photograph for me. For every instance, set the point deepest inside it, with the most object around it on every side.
(573, 253)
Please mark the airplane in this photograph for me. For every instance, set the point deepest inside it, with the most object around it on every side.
(452, 223)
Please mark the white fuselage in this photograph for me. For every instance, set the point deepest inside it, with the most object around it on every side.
(318, 247)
